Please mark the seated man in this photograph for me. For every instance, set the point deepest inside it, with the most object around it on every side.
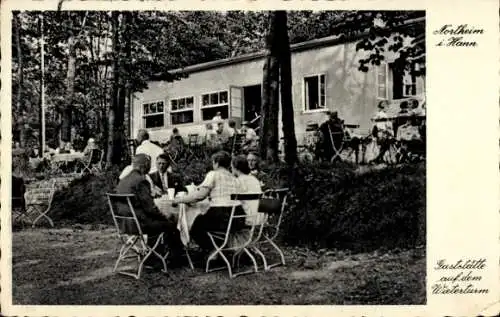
(149, 216)
(163, 178)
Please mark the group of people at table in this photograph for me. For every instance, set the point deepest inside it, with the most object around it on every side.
(218, 133)
(406, 126)
(64, 157)
(159, 191)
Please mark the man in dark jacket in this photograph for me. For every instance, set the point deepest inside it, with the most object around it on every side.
(149, 216)
(163, 178)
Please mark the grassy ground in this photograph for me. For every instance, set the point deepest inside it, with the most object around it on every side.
(73, 266)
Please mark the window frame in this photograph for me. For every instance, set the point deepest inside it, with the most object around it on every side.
(227, 103)
(170, 112)
(305, 97)
(144, 115)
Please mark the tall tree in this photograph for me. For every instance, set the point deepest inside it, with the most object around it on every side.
(20, 77)
(74, 34)
(114, 108)
(285, 66)
(270, 95)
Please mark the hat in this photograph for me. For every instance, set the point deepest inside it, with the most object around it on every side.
(91, 140)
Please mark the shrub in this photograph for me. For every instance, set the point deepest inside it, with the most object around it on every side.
(381, 208)
(84, 200)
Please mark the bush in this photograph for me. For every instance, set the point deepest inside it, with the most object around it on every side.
(379, 208)
(84, 200)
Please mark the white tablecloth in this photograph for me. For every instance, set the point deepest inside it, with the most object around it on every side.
(67, 157)
(185, 214)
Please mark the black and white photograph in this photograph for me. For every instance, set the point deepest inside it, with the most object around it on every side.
(218, 157)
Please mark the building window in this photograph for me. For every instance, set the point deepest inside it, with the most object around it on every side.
(314, 92)
(382, 75)
(181, 110)
(214, 102)
(153, 115)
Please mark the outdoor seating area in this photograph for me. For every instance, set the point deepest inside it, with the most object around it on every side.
(225, 242)
(151, 171)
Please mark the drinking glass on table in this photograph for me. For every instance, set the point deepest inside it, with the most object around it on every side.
(171, 193)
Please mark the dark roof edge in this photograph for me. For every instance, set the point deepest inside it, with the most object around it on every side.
(298, 47)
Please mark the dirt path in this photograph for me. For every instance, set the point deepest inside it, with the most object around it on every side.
(71, 266)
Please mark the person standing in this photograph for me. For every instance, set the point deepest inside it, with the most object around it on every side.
(149, 148)
(383, 130)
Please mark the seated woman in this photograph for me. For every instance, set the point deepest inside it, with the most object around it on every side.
(218, 186)
(91, 145)
(248, 184)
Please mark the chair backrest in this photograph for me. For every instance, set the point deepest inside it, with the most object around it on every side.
(123, 214)
(95, 156)
(274, 210)
(40, 193)
(238, 141)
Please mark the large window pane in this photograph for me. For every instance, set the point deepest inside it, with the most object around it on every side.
(214, 99)
(312, 93)
(181, 117)
(223, 97)
(206, 100)
(209, 113)
(154, 121)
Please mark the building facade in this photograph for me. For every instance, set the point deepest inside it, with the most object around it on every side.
(325, 77)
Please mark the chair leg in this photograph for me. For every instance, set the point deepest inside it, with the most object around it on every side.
(43, 214)
(189, 260)
(255, 267)
(280, 252)
(264, 261)
(126, 247)
(217, 252)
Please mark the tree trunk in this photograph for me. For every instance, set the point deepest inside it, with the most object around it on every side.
(287, 117)
(20, 76)
(270, 97)
(112, 128)
(70, 91)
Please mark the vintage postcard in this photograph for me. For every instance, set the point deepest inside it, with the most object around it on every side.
(250, 158)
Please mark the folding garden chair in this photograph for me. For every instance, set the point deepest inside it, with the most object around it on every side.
(226, 242)
(38, 198)
(274, 207)
(94, 162)
(336, 149)
(133, 241)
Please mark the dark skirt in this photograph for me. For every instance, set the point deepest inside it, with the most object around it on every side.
(216, 219)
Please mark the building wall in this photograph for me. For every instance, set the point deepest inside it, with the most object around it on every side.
(350, 92)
